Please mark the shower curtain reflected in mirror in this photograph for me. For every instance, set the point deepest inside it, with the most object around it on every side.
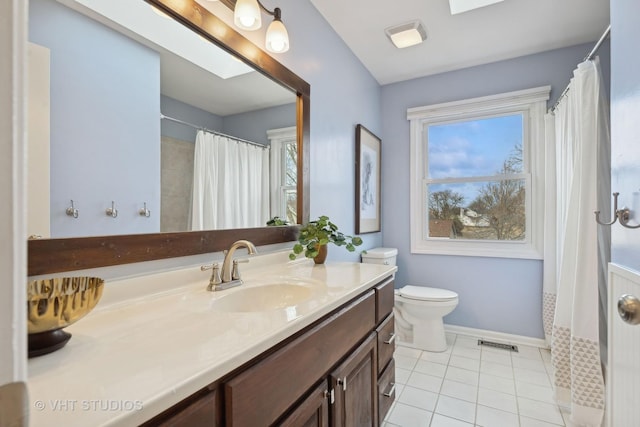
(230, 184)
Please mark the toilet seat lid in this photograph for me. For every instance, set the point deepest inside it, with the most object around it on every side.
(427, 294)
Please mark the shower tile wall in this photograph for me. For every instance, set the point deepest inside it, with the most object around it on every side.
(176, 177)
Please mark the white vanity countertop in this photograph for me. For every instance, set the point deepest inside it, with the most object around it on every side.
(139, 352)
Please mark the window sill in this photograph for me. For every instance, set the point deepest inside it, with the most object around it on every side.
(472, 249)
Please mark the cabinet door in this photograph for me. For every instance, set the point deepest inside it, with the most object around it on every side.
(355, 385)
(312, 412)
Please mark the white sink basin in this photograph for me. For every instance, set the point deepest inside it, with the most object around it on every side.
(263, 298)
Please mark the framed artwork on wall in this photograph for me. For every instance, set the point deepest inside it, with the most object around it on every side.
(367, 181)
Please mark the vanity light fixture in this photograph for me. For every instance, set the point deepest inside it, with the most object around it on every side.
(246, 15)
(407, 34)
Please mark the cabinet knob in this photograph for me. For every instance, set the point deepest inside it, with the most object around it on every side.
(629, 309)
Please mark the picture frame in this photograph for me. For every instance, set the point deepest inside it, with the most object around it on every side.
(368, 170)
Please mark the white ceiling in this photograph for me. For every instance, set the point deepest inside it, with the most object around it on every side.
(496, 32)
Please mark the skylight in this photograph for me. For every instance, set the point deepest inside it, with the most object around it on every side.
(138, 21)
(461, 6)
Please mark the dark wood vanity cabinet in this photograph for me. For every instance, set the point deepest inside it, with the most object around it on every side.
(313, 411)
(203, 409)
(354, 383)
(385, 342)
(336, 372)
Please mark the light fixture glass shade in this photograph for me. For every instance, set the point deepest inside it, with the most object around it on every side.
(246, 15)
(277, 39)
(405, 35)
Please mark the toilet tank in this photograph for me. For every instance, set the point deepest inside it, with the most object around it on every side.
(386, 256)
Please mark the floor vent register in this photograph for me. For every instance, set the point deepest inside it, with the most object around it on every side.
(508, 347)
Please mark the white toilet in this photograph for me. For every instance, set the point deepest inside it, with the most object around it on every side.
(419, 310)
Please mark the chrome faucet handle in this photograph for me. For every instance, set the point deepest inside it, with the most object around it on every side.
(215, 279)
(235, 272)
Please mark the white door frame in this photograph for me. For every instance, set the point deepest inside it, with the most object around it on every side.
(13, 256)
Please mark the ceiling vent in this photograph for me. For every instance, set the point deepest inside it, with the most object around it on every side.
(408, 34)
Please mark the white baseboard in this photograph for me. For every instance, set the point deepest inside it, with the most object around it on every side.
(496, 336)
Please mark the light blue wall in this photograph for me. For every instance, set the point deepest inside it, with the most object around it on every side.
(251, 126)
(255, 124)
(625, 130)
(188, 113)
(105, 129)
(497, 294)
(343, 94)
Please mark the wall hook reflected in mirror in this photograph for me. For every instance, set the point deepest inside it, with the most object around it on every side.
(112, 211)
(622, 215)
(144, 211)
(72, 211)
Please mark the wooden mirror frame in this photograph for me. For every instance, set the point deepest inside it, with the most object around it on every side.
(68, 254)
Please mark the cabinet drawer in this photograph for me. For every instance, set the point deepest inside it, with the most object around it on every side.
(386, 390)
(202, 411)
(386, 342)
(262, 393)
(384, 299)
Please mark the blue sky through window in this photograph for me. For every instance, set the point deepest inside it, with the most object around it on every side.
(473, 147)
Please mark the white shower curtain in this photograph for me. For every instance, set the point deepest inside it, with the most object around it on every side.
(230, 184)
(576, 248)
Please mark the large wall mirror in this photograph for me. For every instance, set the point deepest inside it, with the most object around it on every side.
(134, 98)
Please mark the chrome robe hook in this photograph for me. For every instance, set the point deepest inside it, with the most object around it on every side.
(615, 212)
(144, 211)
(112, 211)
(72, 211)
(622, 215)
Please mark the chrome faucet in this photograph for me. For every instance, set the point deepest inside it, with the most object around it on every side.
(229, 276)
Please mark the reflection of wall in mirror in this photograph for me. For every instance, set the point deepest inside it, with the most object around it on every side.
(104, 123)
(105, 128)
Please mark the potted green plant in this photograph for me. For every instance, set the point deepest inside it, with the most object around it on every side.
(276, 220)
(316, 235)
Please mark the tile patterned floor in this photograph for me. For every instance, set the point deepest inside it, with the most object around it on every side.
(469, 385)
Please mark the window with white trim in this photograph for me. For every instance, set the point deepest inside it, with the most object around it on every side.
(283, 173)
(477, 176)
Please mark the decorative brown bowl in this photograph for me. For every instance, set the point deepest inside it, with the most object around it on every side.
(53, 304)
